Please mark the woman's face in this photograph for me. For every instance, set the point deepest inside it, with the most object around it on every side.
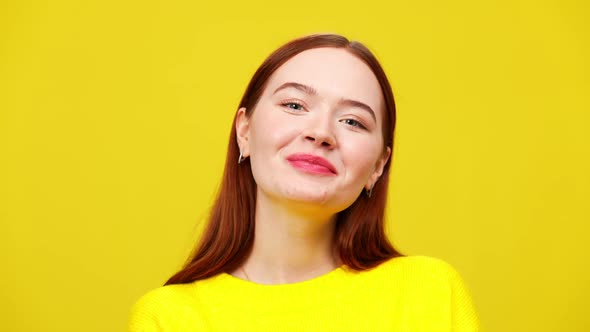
(315, 136)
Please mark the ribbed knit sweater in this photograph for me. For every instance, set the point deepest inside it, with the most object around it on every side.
(414, 293)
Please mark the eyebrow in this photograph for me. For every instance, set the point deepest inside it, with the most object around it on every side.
(313, 92)
(302, 87)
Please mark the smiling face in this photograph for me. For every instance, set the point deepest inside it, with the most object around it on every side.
(315, 136)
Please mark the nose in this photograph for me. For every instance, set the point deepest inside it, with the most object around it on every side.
(320, 134)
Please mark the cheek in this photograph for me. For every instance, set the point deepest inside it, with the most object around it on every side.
(271, 131)
(361, 156)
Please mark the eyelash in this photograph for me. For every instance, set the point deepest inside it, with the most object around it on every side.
(286, 104)
(357, 124)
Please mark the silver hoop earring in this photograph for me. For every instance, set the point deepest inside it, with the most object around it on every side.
(370, 191)
(240, 158)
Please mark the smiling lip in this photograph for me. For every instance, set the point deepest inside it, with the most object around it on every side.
(311, 164)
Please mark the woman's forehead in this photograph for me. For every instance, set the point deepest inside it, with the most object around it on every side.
(331, 72)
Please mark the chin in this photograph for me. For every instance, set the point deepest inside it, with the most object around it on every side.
(317, 199)
(307, 195)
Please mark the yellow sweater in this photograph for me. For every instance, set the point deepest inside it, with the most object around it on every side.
(403, 294)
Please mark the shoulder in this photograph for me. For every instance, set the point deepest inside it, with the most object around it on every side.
(418, 265)
(169, 296)
(417, 274)
(430, 284)
(158, 306)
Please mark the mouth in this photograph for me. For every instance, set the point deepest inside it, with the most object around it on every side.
(311, 164)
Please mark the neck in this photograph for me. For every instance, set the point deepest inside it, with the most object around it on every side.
(291, 244)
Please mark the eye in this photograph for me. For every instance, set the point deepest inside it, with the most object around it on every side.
(353, 123)
(293, 105)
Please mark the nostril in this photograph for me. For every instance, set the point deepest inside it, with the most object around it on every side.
(323, 141)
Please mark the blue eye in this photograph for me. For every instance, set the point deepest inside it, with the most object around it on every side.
(294, 106)
(353, 123)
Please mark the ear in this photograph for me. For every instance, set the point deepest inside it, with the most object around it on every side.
(243, 131)
(374, 177)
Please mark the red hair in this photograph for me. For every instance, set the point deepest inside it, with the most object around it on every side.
(359, 238)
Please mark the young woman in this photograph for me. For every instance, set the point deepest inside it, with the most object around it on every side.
(295, 240)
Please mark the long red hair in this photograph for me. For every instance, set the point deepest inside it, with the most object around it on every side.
(359, 240)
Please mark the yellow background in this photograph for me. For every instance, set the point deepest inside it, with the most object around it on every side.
(114, 118)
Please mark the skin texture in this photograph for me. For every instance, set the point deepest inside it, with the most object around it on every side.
(324, 102)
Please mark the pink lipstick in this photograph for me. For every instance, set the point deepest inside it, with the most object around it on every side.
(311, 164)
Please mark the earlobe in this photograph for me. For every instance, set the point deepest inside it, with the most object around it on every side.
(243, 131)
